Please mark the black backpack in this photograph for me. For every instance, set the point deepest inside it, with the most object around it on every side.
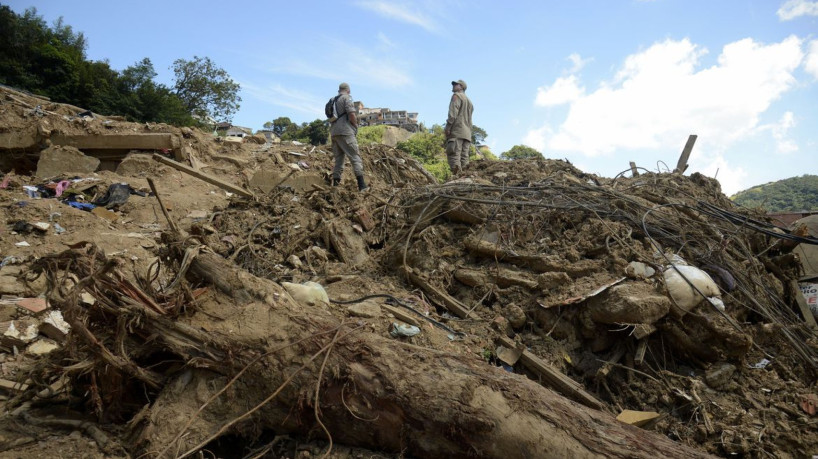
(330, 110)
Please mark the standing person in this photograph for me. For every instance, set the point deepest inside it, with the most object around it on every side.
(344, 143)
(458, 128)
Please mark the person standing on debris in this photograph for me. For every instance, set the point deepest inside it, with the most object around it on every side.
(458, 128)
(343, 130)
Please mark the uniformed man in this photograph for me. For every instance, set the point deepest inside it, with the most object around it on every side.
(344, 143)
(458, 128)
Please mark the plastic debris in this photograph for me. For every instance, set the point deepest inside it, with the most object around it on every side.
(31, 191)
(309, 292)
(761, 364)
(401, 330)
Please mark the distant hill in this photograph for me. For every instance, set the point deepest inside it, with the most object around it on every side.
(789, 195)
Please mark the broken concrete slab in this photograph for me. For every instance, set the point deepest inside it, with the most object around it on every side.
(508, 356)
(266, 180)
(630, 303)
(349, 245)
(18, 332)
(54, 326)
(135, 141)
(135, 164)
(366, 309)
(42, 347)
(60, 160)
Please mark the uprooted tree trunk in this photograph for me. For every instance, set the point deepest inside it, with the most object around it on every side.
(375, 392)
(249, 359)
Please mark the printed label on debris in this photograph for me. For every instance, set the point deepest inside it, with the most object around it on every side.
(810, 292)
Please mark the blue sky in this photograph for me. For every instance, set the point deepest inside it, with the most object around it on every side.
(599, 83)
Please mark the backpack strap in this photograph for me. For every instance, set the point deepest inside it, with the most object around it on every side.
(335, 101)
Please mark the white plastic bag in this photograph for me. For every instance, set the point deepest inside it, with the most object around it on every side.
(682, 293)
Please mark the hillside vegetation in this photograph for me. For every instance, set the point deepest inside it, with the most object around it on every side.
(793, 194)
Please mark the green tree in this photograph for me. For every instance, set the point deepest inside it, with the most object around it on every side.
(282, 125)
(426, 146)
(317, 132)
(795, 194)
(205, 89)
(520, 152)
(268, 126)
(478, 135)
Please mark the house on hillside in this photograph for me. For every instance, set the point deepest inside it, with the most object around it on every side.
(786, 219)
(239, 131)
(229, 130)
(269, 136)
(384, 116)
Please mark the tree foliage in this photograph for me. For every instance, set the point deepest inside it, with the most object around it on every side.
(478, 135)
(794, 194)
(282, 125)
(51, 61)
(371, 134)
(315, 132)
(428, 146)
(520, 152)
(205, 89)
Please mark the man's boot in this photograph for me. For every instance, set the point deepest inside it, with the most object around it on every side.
(361, 184)
(336, 181)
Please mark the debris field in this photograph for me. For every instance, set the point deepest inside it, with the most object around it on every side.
(168, 293)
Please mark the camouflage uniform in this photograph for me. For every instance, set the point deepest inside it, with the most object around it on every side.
(344, 142)
(458, 129)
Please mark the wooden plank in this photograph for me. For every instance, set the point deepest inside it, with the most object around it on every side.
(140, 141)
(681, 166)
(634, 172)
(201, 175)
(641, 347)
(553, 378)
(803, 306)
(13, 385)
(438, 296)
(400, 315)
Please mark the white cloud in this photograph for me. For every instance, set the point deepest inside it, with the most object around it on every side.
(811, 62)
(578, 63)
(276, 94)
(792, 9)
(563, 91)
(346, 62)
(400, 11)
(537, 138)
(731, 178)
(783, 144)
(385, 42)
(660, 96)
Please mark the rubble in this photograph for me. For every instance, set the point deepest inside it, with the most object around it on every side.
(247, 297)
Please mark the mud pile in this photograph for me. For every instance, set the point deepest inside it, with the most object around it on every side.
(431, 306)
